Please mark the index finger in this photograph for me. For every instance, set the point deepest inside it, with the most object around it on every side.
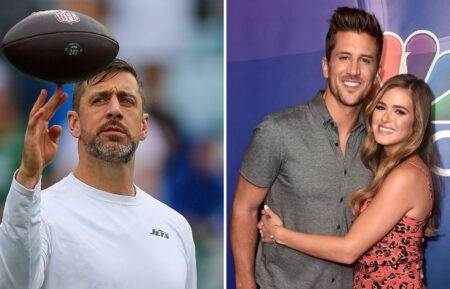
(39, 102)
(55, 102)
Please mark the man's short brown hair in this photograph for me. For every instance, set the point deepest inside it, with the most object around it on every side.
(353, 19)
(116, 66)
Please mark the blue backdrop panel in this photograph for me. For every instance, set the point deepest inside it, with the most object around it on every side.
(274, 51)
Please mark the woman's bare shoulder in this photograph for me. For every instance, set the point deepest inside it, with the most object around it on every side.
(409, 177)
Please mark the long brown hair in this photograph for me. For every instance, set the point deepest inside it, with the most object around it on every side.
(420, 142)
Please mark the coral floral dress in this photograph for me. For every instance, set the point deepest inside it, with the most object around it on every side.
(391, 263)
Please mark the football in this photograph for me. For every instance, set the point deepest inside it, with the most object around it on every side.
(59, 46)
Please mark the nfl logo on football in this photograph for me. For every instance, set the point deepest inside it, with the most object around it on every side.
(66, 16)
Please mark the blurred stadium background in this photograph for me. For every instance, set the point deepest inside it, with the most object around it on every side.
(177, 47)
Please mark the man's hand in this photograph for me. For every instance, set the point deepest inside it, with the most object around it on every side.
(41, 142)
(419, 267)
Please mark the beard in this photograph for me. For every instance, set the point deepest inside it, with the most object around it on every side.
(112, 151)
(338, 95)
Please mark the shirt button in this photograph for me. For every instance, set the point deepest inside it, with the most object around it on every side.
(332, 280)
(341, 199)
(345, 172)
(338, 227)
(336, 144)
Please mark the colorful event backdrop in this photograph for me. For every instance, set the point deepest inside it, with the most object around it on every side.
(274, 51)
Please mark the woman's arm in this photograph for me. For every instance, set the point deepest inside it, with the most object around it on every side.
(401, 193)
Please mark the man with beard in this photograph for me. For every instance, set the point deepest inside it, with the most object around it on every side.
(304, 161)
(94, 228)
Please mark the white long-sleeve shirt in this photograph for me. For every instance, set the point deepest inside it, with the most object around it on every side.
(75, 236)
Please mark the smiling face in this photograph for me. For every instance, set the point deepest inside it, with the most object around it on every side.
(110, 122)
(351, 69)
(393, 119)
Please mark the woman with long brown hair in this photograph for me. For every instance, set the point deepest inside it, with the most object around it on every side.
(400, 206)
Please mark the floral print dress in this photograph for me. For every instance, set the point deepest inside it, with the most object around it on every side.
(391, 263)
